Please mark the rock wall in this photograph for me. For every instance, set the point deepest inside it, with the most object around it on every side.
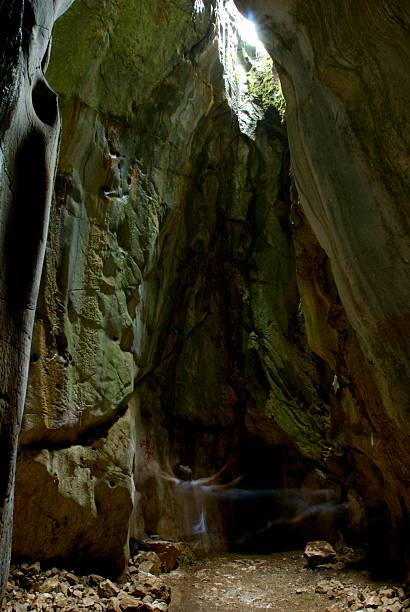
(169, 296)
(343, 75)
(29, 135)
(189, 313)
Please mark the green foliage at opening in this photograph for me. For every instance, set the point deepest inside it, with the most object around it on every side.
(264, 87)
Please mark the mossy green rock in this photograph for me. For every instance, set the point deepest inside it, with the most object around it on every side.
(343, 69)
(85, 504)
(171, 285)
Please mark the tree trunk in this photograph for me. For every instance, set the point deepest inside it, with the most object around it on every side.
(29, 138)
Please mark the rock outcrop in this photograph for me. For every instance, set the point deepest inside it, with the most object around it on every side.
(343, 75)
(169, 289)
(29, 137)
(198, 306)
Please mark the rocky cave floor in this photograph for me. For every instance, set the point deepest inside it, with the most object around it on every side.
(166, 576)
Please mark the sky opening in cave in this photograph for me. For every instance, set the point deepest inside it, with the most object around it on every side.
(251, 83)
(248, 31)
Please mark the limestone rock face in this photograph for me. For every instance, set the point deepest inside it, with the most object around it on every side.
(86, 497)
(192, 309)
(119, 177)
(170, 282)
(343, 75)
(115, 186)
(29, 135)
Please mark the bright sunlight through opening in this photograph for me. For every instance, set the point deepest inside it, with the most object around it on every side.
(248, 32)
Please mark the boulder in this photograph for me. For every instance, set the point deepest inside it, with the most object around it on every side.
(149, 562)
(169, 553)
(129, 604)
(75, 503)
(319, 552)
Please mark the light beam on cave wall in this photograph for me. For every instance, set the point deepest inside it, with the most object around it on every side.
(240, 51)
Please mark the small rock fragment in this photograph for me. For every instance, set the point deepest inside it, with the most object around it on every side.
(49, 585)
(130, 603)
(71, 578)
(138, 590)
(322, 587)
(107, 589)
(333, 587)
(113, 605)
(319, 552)
(151, 566)
(395, 606)
(95, 579)
(373, 601)
(159, 605)
(89, 602)
(168, 552)
(161, 591)
(148, 599)
(60, 600)
(387, 592)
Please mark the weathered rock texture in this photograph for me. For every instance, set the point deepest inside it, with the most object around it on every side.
(343, 74)
(169, 288)
(188, 314)
(29, 135)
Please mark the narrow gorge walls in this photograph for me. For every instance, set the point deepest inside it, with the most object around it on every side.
(169, 327)
(29, 136)
(343, 71)
(209, 296)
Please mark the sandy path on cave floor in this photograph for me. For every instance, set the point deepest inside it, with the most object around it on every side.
(247, 583)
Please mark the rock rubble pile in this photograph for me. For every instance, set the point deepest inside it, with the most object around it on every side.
(348, 597)
(141, 588)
